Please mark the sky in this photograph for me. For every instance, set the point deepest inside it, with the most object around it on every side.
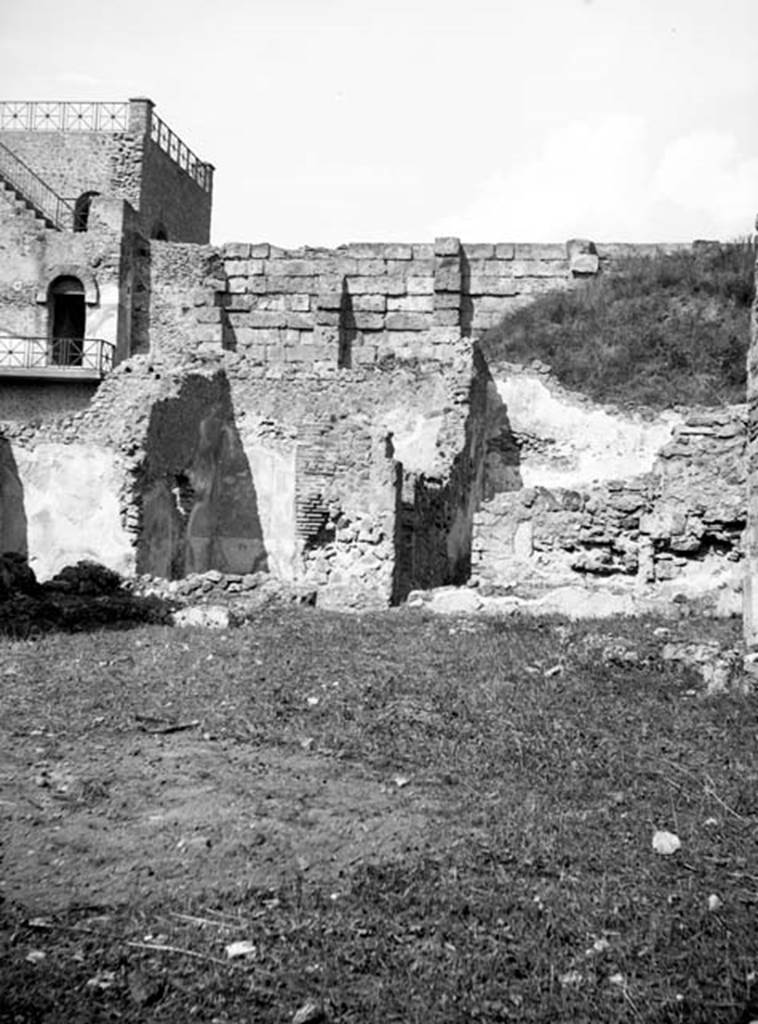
(333, 121)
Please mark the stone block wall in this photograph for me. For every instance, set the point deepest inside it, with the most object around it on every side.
(360, 304)
(363, 302)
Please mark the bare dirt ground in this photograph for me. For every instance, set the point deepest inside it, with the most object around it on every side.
(92, 824)
(400, 818)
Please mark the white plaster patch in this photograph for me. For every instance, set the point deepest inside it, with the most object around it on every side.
(583, 442)
(274, 482)
(414, 438)
(71, 498)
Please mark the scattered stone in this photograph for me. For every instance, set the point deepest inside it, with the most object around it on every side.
(446, 600)
(666, 843)
(311, 1012)
(205, 616)
(242, 948)
(720, 668)
(144, 990)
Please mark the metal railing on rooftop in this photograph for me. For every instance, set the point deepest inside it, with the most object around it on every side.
(59, 116)
(27, 185)
(37, 356)
(64, 116)
(180, 153)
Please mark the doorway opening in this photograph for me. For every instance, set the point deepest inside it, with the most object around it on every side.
(81, 210)
(67, 320)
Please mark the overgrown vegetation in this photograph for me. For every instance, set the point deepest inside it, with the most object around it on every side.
(665, 330)
(545, 755)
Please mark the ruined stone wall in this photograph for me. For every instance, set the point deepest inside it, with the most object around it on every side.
(236, 466)
(149, 477)
(176, 311)
(750, 605)
(361, 450)
(27, 403)
(678, 526)
(362, 303)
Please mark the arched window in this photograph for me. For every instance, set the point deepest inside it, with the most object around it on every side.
(81, 210)
(159, 233)
(67, 319)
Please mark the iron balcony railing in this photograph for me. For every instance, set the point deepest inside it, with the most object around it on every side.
(60, 116)
(181, 154)
(91, 357)
(57, 116)
(28, 185)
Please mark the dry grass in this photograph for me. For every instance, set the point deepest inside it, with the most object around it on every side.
(534, 896)
(664, 331)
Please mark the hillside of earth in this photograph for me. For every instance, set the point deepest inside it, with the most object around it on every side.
(666, 330)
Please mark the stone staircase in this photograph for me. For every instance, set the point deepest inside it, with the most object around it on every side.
(27, 190)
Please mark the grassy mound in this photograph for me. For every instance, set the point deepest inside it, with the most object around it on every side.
(665, 330)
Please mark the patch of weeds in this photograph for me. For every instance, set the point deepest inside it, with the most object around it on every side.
(537, 895)
(665, 330)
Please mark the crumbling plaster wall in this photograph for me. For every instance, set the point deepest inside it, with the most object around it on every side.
(657, 501)
(150, 477)
(349, 436)
(238, 467)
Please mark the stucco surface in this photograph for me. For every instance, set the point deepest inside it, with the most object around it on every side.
(568, 442)
(274, 479)
(71, 499)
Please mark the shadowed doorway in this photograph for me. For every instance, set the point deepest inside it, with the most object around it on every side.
(67, 319)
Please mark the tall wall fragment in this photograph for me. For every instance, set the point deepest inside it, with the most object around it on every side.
(750, 601)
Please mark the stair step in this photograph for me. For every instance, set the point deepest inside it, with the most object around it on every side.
(10, 165)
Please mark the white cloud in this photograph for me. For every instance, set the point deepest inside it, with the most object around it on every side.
(704, 174)
(585, 181)
(597, 178)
